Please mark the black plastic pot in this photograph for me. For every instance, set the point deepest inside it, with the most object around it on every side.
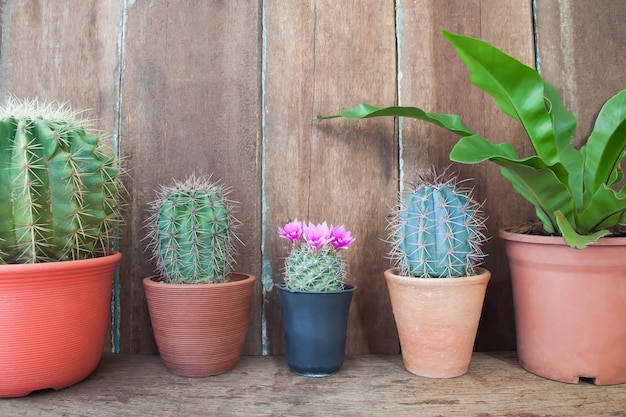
(315, 329)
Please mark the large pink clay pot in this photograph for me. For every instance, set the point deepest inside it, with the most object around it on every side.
(570, 307)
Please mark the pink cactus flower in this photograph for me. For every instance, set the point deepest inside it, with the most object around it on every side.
(341, 237)
(291, 231)
(317, 235)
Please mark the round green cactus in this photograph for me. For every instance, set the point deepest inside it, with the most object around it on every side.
(59, 191)
(437, 230)
(310, 270)
(192, 229)
(315, 262)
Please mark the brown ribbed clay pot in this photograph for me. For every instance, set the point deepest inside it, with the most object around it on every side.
(570, 307)
(437, 320)
(200, 329)
(54, 319)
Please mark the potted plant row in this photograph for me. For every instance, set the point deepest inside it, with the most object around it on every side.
(315, 297)
(60, 195)
(567, 274)
(60, 199)
(199, 307)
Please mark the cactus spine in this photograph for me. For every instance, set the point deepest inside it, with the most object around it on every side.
(59, 191)
(191, 229)
(436, 231)
(308, 270)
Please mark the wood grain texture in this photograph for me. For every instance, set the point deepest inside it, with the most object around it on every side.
(56, 50)
(581, 52)
(190, 101)
(321, 56)
(366, 386)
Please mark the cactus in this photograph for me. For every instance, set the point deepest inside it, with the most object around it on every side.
(191, 232)
(308, 270)
(436, 231)
(59, 191)
(315, 264)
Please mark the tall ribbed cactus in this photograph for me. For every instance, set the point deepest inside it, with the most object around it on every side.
(59, 192)
(192, 229)
(437, 230)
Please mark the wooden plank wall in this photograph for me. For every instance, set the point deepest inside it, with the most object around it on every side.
(337, 172)
(434, 78)
(190, 103)
(231, 88)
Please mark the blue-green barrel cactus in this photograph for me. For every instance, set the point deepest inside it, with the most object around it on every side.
(436, 232)
(191, 232)
(59, 190)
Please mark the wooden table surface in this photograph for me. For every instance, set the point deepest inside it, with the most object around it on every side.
(139, 385)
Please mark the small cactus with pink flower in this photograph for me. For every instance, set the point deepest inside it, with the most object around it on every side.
(315, 262)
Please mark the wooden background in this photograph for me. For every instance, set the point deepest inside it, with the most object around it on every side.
(230, 88)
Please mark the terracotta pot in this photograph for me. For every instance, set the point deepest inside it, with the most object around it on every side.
(437, 320)
(570, 307)
(55, 318)
(200, 329)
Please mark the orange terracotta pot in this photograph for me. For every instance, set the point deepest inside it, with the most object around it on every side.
(570, 307)
(200, 329)
(437, 320)
(54, 322)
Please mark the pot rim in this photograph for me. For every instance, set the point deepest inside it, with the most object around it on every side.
(507, 234)
(481, 274)
(61, 265)
(347, 288)
(154, 280)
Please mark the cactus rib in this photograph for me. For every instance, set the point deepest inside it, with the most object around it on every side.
(55, 202)
(192, 231)
(436, 231)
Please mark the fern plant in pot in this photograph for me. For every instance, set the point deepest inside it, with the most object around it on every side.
(199, 307)
(60, 200)
(567, 274)
(316, 299)
(436, 287)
